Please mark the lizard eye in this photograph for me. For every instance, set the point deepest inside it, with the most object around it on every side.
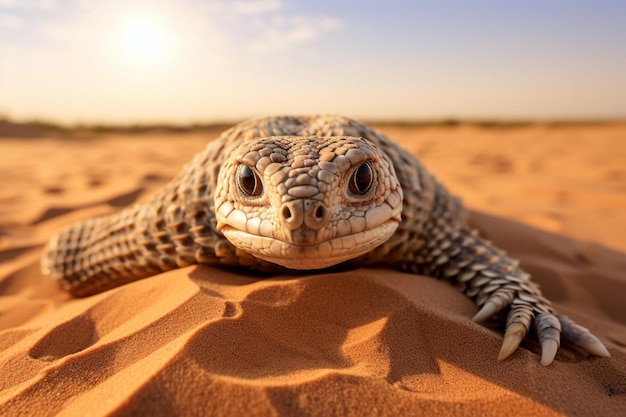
(362, 179)
(248, 181)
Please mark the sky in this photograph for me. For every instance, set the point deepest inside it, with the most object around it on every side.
(195, 61)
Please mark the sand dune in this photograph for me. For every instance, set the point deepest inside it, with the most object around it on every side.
(205, 341)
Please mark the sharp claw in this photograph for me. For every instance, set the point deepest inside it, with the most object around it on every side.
(512, 338)
(549, 334)
(576, 335)
(594, 346)
(487, 310)
(498, 300)
(548, 351)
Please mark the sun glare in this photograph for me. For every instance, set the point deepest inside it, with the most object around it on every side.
(145, 40)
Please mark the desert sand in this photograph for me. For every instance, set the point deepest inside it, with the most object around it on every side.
(205, 341)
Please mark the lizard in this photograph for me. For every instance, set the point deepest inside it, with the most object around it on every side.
(303, 193)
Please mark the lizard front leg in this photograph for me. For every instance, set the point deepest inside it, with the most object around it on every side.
(496, 282)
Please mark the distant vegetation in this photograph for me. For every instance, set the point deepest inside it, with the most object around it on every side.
(39, 128)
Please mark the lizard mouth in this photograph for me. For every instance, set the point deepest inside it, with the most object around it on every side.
(315, 256)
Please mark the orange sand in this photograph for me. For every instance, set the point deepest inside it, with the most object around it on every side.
(204, 341)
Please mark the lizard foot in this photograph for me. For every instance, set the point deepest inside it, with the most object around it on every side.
(551, 329)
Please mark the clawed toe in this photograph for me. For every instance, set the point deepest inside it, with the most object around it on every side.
(486, 311)
(548, 330)
(517, 325)
(512, 338)
(498, 301)
(576, 335)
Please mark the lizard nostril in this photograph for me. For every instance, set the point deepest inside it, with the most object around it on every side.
(286, 212)
(319, 213)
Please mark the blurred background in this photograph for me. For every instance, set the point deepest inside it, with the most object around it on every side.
(190, 61)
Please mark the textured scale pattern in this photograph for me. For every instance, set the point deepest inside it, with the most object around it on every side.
(179, 225)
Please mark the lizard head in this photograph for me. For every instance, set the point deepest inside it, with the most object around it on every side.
(307, 202)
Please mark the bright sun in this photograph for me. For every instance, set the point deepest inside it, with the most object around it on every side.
(145, 40)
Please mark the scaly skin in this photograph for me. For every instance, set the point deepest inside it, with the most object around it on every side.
(282, 193)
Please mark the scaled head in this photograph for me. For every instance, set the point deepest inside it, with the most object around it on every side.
(307, 202)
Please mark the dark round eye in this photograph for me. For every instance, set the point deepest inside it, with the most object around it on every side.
(248, 181)
(362, 179)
